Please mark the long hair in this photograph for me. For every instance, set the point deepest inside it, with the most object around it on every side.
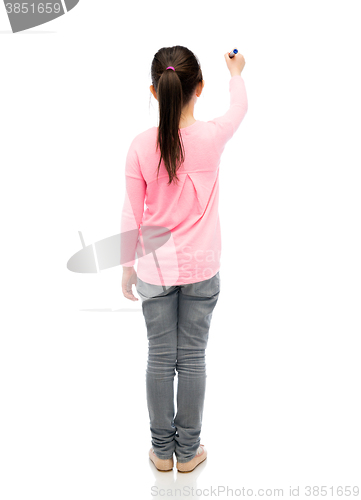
(174, 91)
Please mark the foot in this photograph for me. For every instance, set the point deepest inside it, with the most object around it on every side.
(162, 465)
(192, 464)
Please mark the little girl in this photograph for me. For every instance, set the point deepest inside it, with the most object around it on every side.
(174, 169)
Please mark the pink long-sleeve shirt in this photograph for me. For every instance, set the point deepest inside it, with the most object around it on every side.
(177, 238)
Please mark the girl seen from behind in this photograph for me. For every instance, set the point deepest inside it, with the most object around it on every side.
(174, 170)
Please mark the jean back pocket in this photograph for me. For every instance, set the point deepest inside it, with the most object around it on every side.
(209, 287)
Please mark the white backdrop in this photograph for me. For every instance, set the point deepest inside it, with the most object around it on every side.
(282, 405)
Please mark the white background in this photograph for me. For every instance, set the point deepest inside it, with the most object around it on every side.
(283, 361)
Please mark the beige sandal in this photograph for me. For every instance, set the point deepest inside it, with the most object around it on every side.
(192, 464)
(162, 465)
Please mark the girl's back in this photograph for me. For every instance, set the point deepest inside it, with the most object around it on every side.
(186, 208)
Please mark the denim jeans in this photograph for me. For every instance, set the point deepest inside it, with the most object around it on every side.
(177, 319)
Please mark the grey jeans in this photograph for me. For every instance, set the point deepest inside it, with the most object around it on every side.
(177, 320)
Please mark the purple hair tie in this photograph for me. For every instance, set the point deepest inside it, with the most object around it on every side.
(171, 67)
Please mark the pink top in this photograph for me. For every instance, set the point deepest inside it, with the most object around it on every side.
(183, 244)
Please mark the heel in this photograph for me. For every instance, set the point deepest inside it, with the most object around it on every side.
(165, 465)
(192, 464)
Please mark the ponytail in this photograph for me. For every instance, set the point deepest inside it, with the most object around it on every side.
(169, 140)
(174, 91)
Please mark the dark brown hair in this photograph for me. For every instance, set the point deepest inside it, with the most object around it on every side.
(174, 91)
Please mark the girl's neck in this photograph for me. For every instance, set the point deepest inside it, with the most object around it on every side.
(187, 117)
(186, 122)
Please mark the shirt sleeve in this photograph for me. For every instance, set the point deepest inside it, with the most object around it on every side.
(225, 126)
(133, 207)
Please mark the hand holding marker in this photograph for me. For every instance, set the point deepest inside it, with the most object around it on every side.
(235, 62)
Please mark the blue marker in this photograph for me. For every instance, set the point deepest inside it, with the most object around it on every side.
(233, 53)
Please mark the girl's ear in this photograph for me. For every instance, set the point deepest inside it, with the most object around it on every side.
(152, 89)
(200, 87)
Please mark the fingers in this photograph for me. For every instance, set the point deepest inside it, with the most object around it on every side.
(129, 278)
(128, 294)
